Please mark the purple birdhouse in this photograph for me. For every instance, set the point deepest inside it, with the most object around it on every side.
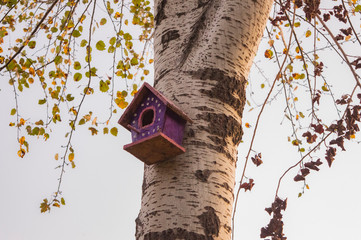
(156, 124)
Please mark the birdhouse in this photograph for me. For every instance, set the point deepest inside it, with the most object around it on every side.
(156, 125)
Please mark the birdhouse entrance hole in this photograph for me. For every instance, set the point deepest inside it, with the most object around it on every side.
(147, 117)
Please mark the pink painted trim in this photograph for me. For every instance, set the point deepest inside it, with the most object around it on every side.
(140, 119)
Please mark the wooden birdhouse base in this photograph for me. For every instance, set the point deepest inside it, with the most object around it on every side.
(155, 148)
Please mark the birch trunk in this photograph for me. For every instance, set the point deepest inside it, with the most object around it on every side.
(203, 53)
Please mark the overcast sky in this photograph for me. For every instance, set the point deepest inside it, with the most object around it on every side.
(103, 192)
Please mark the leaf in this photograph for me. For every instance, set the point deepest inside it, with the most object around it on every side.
(112, 41)
(247, 186)
(32, 44)
(82, 121)
(56, 156)
(268, 53)
(100, 45)
(308, 33)
(77, 65)
(105, 130)
(76, 33)
(298, 178)
(103, 86)
(71, 157)
(94, 131)
(69, 98)
(358, 8)
(62, 201)
(56, 204)
(21, 153)
(44, 206)
(127, 36)
(134, 61)
(77, 77)
(103, 21)
(83, 43)
(13, 111)
(114, 131)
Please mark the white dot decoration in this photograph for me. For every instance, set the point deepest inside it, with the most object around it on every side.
(158, 119)
(135, 114)
(156, 100)
(142, 134)
(153, 130)
(152, 99)
(147, 103)
(148, 98)
(158, 104)
(142, 104)
(160, 110)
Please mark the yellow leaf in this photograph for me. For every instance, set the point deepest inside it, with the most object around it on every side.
(308, 33)
(22, 140)
(56, 204)
(348, 37)
(268, 53)
(307, 186)
(22, 121)
(71, 157)
(94, 122)
(298, 57)
(56, 156)
(21, 153)
(247, 125)
(352, 136)
(62, 201)
(72, 164)
(44, 206)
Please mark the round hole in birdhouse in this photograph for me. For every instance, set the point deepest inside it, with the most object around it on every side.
(147, 117)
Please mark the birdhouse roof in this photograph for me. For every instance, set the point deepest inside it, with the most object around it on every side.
(139, 97)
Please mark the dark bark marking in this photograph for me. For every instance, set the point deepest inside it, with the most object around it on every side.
(222, 126)
(138, 227)
(205, 108)
(228, 89)
(196, 30)
(169, 36)
(174, 234)
(203, 175)
(210, 222)
(190, 133)
(160, 12)
(145, 185)
(219, 149)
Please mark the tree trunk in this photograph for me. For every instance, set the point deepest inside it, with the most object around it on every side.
(203, 53)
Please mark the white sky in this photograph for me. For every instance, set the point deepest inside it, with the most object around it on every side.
(103, 192)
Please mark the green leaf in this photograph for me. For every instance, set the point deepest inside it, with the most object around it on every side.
(83, 43)
(77, 77)
(13, 111)
(62, 201)
(112, 40)
(100, 45)
(53, 29)
(82, 121)
(32, 44)
(103, 86)
(76, 33)
(11, 65)
(105, 130)
(77, 65)
(42, 101)
(58, 59)
(69, 98)
(114, 131)
(103, 21)
(134, 61)
(111, 49)
(358, 8)
(127, 36)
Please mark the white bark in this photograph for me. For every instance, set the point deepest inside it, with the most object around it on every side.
(203, 54)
